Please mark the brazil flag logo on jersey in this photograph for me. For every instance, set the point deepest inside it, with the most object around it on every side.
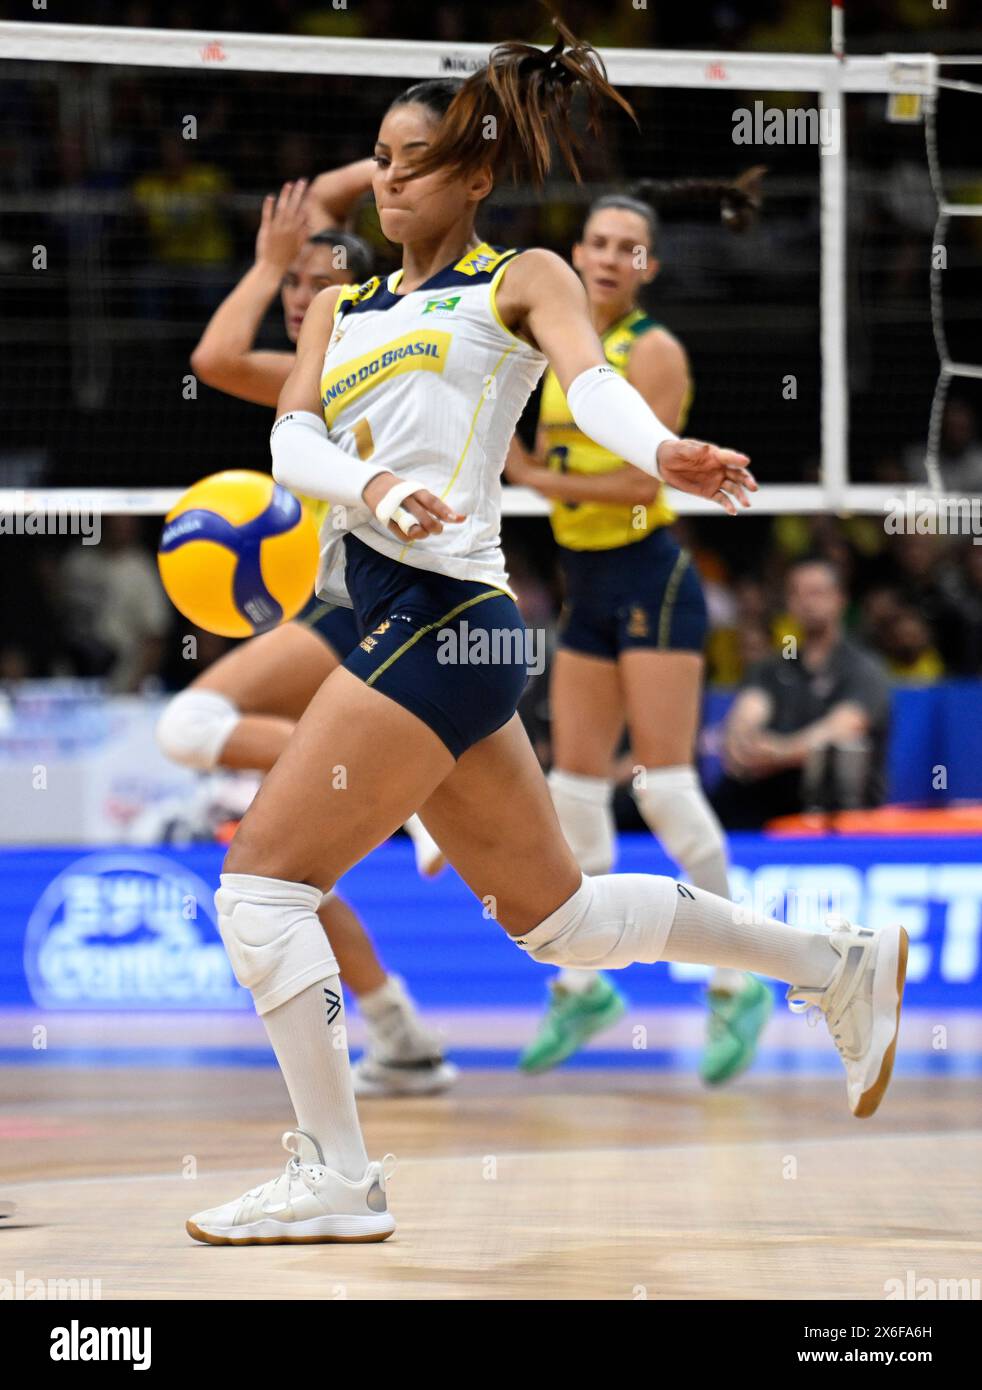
(441, 306)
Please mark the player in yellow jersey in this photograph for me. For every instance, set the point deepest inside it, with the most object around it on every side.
(632, 632)
(240, 712)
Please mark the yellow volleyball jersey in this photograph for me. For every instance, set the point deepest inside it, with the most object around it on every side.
(598, 525)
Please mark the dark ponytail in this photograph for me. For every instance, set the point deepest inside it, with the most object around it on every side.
(528, 92)
(737, 200)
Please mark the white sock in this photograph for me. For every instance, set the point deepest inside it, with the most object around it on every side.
(309, 1038)
(425, 847)
(576, 981)
(615, 919)
(677, 813)
(388, 995)
(709, 930)
(727, 981)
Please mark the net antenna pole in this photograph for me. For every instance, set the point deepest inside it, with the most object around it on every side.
(834, 474)
(839, 29)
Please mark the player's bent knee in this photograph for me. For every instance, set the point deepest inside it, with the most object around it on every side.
(194, 728)
(610, 921)
(274, 939)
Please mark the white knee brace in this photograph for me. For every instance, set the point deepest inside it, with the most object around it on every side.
(583, 807)
(609, 922)
(675, 809)
(273, 936)
(194, 727)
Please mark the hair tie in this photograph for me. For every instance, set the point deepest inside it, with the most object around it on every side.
(547, 61)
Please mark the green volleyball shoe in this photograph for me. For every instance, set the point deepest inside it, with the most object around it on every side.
(570, 1019)
(735, 1024)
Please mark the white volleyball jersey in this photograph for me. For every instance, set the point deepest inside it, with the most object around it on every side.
(430, 384)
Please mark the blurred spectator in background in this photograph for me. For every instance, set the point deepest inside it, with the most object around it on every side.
(182, 206)
(921, 567)
(910, 654)
(808, 729)
(113, 607)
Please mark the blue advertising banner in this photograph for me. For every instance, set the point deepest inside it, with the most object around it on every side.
(134, 928)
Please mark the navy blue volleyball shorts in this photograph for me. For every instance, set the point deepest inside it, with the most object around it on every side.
(451, 651)
(641, 596)
(336, 626)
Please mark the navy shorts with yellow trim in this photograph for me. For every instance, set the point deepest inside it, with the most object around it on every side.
(451, 651)
(646, 595)
(337, 626)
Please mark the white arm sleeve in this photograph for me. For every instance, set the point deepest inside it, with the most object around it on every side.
(616, 416)
(305, 460)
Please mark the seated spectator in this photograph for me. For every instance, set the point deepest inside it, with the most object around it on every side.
(910, 654)
(923, 565)
(808, 728)
(114, 608)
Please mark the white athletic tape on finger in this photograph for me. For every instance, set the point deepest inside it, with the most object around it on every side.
(389, 509)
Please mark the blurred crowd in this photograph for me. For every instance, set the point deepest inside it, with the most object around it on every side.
(914, 601)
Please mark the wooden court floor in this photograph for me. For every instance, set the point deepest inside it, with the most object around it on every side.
(612, 1184)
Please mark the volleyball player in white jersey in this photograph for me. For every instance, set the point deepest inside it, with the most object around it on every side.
(420, 381)
(240, 712)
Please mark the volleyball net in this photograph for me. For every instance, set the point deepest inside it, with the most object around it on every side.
(836, 341)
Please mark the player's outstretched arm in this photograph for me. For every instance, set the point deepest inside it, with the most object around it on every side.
(334, 193)
(542, 297)
(225, 356)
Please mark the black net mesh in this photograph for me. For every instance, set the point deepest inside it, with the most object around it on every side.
(144, 231)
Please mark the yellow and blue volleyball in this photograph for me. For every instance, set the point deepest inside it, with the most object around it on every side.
(238, 554)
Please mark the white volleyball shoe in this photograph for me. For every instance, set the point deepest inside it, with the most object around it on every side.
(307, 1203)
(861, 1004)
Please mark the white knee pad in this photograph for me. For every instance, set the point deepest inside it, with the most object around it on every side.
(194, 727)
(609, 922)
(273, 936)
(675, 809)
(583, 807)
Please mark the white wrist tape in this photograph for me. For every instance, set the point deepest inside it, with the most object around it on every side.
(305, 460)
(389, 509)
(612, 413)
